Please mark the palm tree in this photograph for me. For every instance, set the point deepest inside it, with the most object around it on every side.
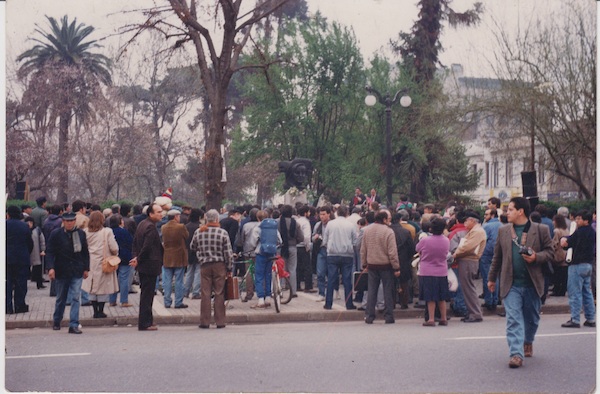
(65, 77)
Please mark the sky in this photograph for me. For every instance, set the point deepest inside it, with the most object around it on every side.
(375, 22)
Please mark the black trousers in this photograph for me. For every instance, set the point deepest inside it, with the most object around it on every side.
(305, 270)
(386, 277)
(147, 286)
(16, 286)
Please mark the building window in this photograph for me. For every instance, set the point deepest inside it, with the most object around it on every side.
(487, 174)
(541, 172)
(495, 174)
(509, 172)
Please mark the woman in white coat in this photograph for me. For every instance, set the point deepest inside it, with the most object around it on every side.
(101, 243)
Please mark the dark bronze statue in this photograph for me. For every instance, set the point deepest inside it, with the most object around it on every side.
(297, 173)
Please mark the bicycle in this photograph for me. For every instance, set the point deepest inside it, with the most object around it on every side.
(281, 289)
(249, 272)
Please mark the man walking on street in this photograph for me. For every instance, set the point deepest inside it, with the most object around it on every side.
(521, 248)
(579, 280)
(68, 263)
(147, 259)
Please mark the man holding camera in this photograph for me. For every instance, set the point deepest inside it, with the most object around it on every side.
(521, 248)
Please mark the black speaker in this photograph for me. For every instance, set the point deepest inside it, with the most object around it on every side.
(21, 188)
(533, 202)
(529, 184)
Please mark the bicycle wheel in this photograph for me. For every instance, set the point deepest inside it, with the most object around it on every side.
(276, 286)
(243, 289)
(286, 290)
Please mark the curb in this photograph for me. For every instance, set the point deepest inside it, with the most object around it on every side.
(252, 318)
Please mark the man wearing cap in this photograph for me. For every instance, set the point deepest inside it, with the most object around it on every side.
(175, 258)
(467, 255)
(148, 260)
(68, 263)
(39, 213)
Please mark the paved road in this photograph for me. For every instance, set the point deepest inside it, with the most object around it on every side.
(301, 357)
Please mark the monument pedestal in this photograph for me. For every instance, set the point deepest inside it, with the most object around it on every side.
(293, 198)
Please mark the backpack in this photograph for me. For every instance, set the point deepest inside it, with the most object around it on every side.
(268, 236)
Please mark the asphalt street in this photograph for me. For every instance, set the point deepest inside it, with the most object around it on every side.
(301, 357)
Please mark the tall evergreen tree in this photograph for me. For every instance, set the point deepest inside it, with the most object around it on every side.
(420, 51)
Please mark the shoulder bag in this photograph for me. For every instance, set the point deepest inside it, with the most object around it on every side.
(109, 263)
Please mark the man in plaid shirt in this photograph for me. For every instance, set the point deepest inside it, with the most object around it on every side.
(213, 249)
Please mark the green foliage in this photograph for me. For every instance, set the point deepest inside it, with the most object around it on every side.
(311, 107)
(574, 206)
(65, 43)
(18, 203)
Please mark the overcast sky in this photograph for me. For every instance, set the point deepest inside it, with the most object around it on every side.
(375, 22)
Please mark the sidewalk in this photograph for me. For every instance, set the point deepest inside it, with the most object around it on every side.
(304, 308)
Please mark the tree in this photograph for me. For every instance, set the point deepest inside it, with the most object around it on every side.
(63, 63)
(311, 106)
(216, 68)
(432, 150)
(120, 145)
(551, 67)
(419, 51)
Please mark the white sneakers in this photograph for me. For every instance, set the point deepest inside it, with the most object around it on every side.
(320, 299)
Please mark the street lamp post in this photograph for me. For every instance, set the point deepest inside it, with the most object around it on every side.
(386, 100)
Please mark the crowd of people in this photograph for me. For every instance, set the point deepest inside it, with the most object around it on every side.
(408, 254)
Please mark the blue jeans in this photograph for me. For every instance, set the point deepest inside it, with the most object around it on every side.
(484, 267)
(322, 271)
(85, 297)
(522, 306)
(192, 280)
(123, 278)
(459, 306)
(262, 275)
(167, 283)
(579, 287)
(335, 266)
(63, 288)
